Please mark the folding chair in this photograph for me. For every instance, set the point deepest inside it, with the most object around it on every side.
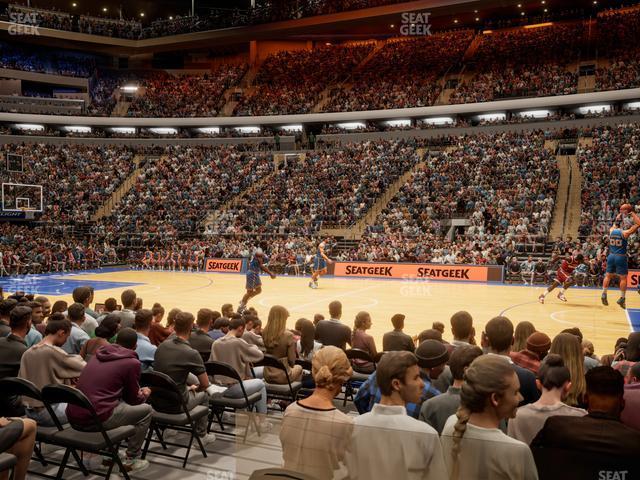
(101, 441)
(19, 387)
(306, 365)
(220, 404)
(288, 391)
(357, 378)
(181, 422)
(7, 462)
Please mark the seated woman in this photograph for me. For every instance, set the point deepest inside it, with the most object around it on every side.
(363, 341)
(104, 332)
(314, 434)
(306, 346)
(279, 342)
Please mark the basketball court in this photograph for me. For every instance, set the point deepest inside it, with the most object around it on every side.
(423, 302)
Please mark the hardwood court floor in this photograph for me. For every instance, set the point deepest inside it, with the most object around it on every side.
(422, 302)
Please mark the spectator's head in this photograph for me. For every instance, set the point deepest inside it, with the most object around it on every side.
(276, 325)
(222, 324)
(37, 316)
(158, 312)
(553, 375)
(539, 343)
(204, 319)
(76, 313)
(138, 305)
(46, 305)
(398, 321)
(605, 391)
(128, 298)
(438, 326)
(110, 305)
(143, 321)
(574, 331)
(429, 334)
(523, 331)
(82, 295)
(398, 377)
(171, 317)
(335, 310)
(109, 326)
(330, 368)
(20, 320)
(462, 326)
(587, 348)
(127, 338)
(362, 321)
(568, 346)
(460, 360)
(58, 329)
(236, 326)
(227, 310)
(307, 331)
(633, 376)
(432, 357)
(5, 308)
(632, 352)
(184, 324)
(499, 335)
(317, 317)
(59, 307)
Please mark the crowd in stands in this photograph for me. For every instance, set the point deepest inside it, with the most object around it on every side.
(325, 188)
(524, 62)
(291, 82)
(403, 73)
(452, 405)
(52, 62)
(615, 30)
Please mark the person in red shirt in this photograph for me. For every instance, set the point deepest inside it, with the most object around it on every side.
(564, 277)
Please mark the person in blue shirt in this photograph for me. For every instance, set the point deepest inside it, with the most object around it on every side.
(253, 285)
(617, 262)
(432, 357)
(320, 262)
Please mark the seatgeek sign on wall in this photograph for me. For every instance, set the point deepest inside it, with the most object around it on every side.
(460, 273)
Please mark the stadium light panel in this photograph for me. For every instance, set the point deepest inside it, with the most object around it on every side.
(633, 105)
(398, 123)
(535, 113)
(539, 25)
(248, 129)
(77, 129)
(594, 109)
(438, 121)
(490, 117)
(351, 125)
(29, 126)
(130, 130)
(130, 88)
(209, 130)
(292, 128)
(164, 130)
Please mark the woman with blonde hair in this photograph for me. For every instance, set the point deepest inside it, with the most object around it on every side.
(522, 332)
(568, 346)
(472, 442)
(279, 342)
(315, 434)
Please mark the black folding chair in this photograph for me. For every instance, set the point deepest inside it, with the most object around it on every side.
(7, 462)
(19, 387)
(306, 365)
(288, 391)
(221, 404)
(185, 421)
(357, 378)
(99, 440)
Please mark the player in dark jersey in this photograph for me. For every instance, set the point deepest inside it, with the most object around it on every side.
(564, 277)
(617, 262)
(254, 284)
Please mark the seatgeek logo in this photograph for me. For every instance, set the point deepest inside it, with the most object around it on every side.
(23, 23)
(415, 24)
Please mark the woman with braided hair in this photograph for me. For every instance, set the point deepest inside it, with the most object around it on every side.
(472, 442)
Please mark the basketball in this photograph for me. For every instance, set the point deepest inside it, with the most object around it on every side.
(626, 208)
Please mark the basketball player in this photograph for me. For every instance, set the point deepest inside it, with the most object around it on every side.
(147, 261)
(617, 258)
(319, 264)
(564, 277)
(254, 284)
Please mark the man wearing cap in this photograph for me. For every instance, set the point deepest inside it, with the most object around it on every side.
(396, 340)
(538, 345)
(432, 357)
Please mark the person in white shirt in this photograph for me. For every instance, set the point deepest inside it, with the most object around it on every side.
(554, 379)
(528, 270)
(388, 443)
(473, 445)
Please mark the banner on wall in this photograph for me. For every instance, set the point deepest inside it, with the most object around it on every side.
(633, 279)
(230, 265)
(461, 273)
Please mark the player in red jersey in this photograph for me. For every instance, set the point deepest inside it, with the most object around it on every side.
(564, 277)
